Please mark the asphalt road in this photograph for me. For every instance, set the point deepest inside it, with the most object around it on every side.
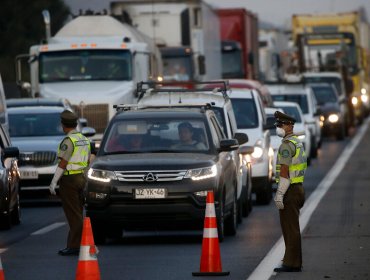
(30, 249)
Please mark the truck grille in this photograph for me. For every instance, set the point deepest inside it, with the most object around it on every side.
(97, 115)
(43, 158)
(150, 176)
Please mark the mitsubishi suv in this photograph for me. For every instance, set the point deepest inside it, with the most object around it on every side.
(154, 168)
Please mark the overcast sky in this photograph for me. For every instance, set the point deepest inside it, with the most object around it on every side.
(276, 12)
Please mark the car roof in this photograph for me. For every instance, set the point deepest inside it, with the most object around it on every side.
(35, 110)
(18, 102)
(288, 88)
(242, 93)
(286, 104)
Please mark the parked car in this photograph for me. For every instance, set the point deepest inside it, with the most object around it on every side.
(251, 120)
(332, 116)
(301, 129)
(37, 131)
(303, 95)
(162, 183)
(9, 182)
(216, 93)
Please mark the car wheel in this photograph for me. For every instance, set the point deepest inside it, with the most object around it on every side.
(221, 221)
(16, 213)
(264, 194)
(313, 152)
(232, 220)
(248, 203)
(240, 203)
(98, 232)
(341, 133)
(5, 220)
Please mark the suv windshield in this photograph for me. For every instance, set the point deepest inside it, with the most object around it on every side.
(324, 94)
(301, 99)
(156, 135)
(245, 113)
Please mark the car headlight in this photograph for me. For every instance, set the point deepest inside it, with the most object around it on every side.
(364, 98)
(104, 176)
(333, 118)
(354, 100)
(201, 173)
(257, 153)
(363, 91)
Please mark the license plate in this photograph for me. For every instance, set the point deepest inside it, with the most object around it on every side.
(150, 193)
(29, 174)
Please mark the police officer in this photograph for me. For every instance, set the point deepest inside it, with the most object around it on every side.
(74, 153)
(290, 169)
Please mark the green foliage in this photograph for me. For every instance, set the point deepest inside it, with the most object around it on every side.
(21, 25)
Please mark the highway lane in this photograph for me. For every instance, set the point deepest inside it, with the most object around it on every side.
(149, 255)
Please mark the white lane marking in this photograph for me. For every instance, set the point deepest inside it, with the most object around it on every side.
(265, 269)
(48, 228)
(2, 250)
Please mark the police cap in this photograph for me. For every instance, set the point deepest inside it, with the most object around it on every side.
(282, 118)
(68, 118)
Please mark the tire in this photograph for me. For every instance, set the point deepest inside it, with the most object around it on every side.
(5, 220)
(16, 213)
(232, 221)
(341, 134)
(264, 193)
(98, 232)
(221, 221)
(248, 203)
(313, 152)
(240, 209)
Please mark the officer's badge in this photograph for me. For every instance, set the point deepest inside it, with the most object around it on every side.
(64, 147)
(285, 153)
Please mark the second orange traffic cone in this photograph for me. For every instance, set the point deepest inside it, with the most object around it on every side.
(210, 263)
(2, 277)
(88, 267)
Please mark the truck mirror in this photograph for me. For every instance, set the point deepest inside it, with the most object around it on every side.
(202, 64)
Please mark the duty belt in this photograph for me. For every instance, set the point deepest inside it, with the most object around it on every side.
(72, 172)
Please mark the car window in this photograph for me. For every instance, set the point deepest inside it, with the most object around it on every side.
(245, 113)
(219, 112)
(324, 94)
(156, 135)
(30, 124)
(301, 99)
(292, 111)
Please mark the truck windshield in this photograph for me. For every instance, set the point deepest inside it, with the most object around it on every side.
(81, 65)
(177, 68)
(232, 64)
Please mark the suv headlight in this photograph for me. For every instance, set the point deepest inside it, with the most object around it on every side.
(333, 118)
(202, 173)
(104, 176)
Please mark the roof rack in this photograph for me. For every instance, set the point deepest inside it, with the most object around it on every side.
(143, 88)
(129, 107)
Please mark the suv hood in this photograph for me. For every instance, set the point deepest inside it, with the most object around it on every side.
(327, 108)
(91, 91)
(154, 161)
(41, 143)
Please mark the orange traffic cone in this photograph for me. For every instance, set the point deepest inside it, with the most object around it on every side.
(88, 267)
(2, 277)
(210, 263)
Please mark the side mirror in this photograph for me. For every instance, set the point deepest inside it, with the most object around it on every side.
(25, 89)
(246, 150)
(88, 131)
(202, 64)
(11, 152)
(83, 122)
(227, 145)
(241, 137)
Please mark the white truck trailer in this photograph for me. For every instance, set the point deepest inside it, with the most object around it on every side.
(95, 62)
(187, 31)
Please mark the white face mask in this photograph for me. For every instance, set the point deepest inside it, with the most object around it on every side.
(280, 132)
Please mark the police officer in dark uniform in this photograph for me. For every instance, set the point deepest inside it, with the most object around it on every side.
(290, 170)
(74, 153)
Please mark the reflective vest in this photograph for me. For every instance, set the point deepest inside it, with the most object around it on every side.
(80, 155)
(298, 166)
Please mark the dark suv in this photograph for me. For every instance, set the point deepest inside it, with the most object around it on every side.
(149, 174)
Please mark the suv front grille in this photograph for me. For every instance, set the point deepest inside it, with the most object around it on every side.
(43, 158)
(97, 115)
(150, 176)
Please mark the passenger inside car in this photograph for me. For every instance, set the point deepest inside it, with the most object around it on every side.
(186, 132)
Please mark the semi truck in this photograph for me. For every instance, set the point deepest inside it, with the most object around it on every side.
(334, 42)
(187, 32)
(239, 35)
(94, 61)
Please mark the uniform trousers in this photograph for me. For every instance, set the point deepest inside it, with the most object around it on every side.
(71, 190)
(289, 220)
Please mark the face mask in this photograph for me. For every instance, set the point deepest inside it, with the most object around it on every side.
(280, 132)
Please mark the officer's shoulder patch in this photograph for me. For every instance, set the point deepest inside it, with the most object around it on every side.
(64, 147)
(285, 153)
